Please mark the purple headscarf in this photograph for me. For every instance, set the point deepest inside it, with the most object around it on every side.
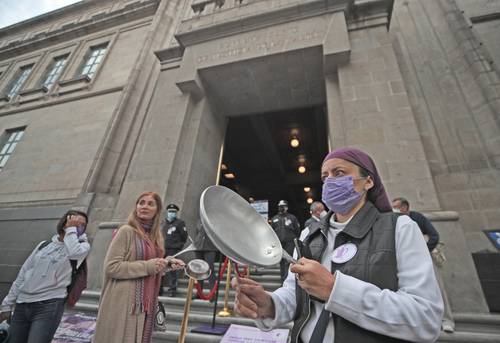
(377, 194)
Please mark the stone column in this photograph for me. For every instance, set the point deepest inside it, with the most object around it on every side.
(176, 155)
(459, 272)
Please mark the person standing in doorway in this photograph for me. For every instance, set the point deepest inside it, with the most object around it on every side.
(175, 233)
(287, 228)
(317, 211)
(402, 205)
(41, 287)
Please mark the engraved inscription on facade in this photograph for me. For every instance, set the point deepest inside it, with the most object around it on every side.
(259, 44)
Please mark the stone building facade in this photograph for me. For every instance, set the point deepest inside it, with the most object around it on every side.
(117, 97)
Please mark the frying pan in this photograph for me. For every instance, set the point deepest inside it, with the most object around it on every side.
(238, 230)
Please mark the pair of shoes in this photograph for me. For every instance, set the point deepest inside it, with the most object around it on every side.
(447, 327)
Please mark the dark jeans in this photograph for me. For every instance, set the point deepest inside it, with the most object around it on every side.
(209, 257)
(288, 246)
(36, 322)
(170, 279)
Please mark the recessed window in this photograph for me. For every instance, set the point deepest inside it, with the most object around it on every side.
(94, 58)
(54, 71)
(12, 137)
(18, 81)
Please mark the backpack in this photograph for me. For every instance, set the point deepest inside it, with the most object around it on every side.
(78, 279)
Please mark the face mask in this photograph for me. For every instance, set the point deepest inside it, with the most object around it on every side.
(322, 214)
(339, 194)
(396, 210)
(80, 230)
(282, 209)
(171, 216)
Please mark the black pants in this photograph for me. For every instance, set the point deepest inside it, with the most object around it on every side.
(288, 246)
(170, 279)
(209, 257)
(36, 322)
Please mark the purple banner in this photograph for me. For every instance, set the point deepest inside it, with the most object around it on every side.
(75, 328)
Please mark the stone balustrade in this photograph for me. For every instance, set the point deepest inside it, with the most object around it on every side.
(206, 7)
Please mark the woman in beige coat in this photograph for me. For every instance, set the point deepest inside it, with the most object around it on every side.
(132, 272)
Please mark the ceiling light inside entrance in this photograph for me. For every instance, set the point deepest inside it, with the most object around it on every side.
(223, 166)
(229, 176)
(294, 142)
(302, 169)
(310, 200)
(307, 189)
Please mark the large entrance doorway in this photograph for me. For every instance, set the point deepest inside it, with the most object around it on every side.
(275, 156)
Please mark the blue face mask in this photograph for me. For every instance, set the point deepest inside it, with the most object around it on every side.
(339, 194)
(171, 216)
(80, 230)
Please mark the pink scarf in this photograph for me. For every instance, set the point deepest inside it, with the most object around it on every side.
(146, 288)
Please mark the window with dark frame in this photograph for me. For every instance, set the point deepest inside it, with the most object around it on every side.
(54, 71)
(12, 137)
(18, 81)
(94, 58)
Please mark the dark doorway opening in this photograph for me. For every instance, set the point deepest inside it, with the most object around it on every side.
(264, 152)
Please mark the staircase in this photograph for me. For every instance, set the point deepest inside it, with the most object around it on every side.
(470, 328)
(200, 313)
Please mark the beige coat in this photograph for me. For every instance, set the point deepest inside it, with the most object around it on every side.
(115, 322)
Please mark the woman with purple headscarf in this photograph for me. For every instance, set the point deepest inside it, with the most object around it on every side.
(365, 274)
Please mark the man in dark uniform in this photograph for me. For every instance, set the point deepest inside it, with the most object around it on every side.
(175, 233)
(287, 228)
(206, 251)
(402, 205)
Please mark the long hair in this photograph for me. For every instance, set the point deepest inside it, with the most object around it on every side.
(64, 219)
(155, 235)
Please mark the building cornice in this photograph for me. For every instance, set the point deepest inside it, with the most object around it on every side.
(242, 19)
(205, 27)
(98, 22)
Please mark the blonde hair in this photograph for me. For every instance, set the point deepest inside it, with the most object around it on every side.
(155, 235)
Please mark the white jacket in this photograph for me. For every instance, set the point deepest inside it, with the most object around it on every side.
(47, 271)
(413, 312)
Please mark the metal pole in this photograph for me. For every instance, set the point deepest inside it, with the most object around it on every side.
(187, 305)
(226, 312)
(217, 292)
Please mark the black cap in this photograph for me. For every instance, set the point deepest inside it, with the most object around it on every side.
(172, 207)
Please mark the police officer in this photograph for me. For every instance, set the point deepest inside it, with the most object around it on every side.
(287, 228)
(175, 233)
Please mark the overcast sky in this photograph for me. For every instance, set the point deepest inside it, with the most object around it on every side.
(14, 11)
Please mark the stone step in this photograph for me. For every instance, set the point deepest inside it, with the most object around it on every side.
(196, 319)
(259, 278)
(260, 271)
(270, 286)
(470, 328)
(468, 337)
(90, 299)
(197, 307)
(473, 322)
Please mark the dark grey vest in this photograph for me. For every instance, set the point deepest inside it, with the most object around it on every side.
(375, 262)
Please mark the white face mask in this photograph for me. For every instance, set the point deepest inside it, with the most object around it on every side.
(396, 210)
(323, 213)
